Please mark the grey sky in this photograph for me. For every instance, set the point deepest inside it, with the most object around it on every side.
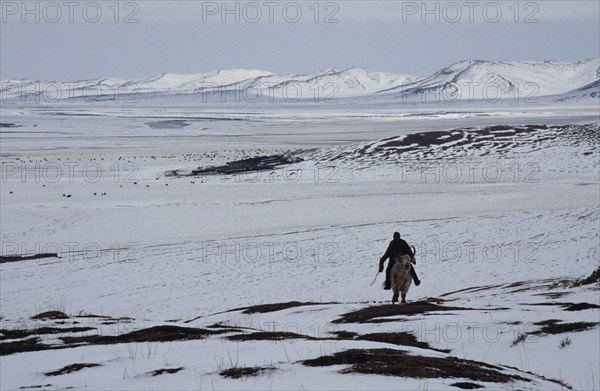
(191, 37)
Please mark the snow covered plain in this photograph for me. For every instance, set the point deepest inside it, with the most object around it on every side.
(154, 270)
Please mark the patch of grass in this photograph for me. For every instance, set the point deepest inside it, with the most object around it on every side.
(566, 341)
(547, 322)
(466, 385)
(17, 258)
(368, 314)
(521, 337)
(471, 289)
(256, 163)
(50, 315)
(392, 362)
(264, 308)
(514, 323)
(570, 306)
(580, 306)
(218, 326)
(225, 328)
(342, 334)
(88, 315)
(238, 373)
(26, 345)
(71, 368)
(15, 334)
(552, 295)
(158, 372)
(268, 336)
(399, 338)
(559, 328)
(592, 278)
(152, 334)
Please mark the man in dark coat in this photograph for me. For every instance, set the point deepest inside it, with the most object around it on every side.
(396, 249)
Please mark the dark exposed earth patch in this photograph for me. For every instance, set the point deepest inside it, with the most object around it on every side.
(268, 336)
(559, 328)
(552, 295)
(71, 368)
(26, 345)
(342, 334)
(23, 333)
(490, 140)
(592, 278)
(257, 163)
(375, 313)
(471, 289)
(17, 258)
(9, 125)
(158, 372)
(238, 373)
(399, 338)
(50, 315)
(264, 308)
(466, 385)
(580, 306)
(152, 334)
(392, 362)
(570, 306)
(547, 322)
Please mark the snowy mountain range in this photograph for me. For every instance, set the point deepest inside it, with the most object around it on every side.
(465, 80)
(478, 79)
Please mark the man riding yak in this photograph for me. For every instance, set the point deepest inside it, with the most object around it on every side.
(396, 249)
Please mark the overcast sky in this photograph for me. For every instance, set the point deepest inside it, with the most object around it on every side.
(84, 40)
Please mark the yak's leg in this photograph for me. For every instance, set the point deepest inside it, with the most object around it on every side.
(395, 298)
(403, 298)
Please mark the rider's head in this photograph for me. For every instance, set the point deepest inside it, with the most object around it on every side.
(396, 235)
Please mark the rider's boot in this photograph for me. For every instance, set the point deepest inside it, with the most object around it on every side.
(413, 273)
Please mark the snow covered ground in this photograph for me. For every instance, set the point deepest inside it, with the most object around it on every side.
(507, 217)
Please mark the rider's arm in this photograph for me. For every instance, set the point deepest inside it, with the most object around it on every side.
(385, 256)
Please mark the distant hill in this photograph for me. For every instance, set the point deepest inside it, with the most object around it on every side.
(465, 80)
